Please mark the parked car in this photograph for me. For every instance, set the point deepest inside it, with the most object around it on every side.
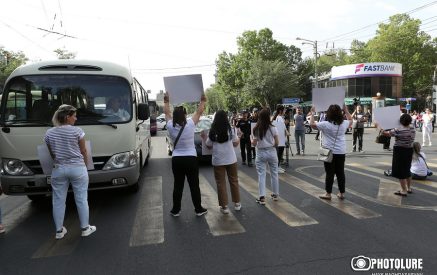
(161, 123)
(204, 124)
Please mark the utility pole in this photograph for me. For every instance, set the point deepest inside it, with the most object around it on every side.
(316, 54)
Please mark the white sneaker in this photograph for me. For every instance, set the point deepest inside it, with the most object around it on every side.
(90, 230)
(430, 144)
(224, 210)
(237, 206)
(60, 235)
(281, 171)
(423, 145)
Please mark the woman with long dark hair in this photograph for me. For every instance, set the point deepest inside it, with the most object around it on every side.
(184, 157)
(222, 139)
(333, 137)
(265, 138)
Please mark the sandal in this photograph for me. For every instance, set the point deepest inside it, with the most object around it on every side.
(410, 191)
(340, 196)
(325, 197)
(399, 193)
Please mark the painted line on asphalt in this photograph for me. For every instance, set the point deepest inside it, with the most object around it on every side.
(66, 245)
(380, 171)
(17, 216)
(3, 196)
(148, 226)
(285, 211)
(219, 224)
(344, 206)
(386, 192)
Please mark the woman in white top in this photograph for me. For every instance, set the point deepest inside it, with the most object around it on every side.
(184, 157)
(66, 144)
(222, 139)
(333, 137)
(279, 122)
(427, 118)
(265, 138)
(419, 170)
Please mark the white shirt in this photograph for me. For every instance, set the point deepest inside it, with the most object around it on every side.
(427, 119)
(268, 140)
(223, 153)
(329, 131)
(185, 145)
(418, 166)
(279, 123)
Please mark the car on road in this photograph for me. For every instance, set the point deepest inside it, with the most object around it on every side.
(204, 124)
(161, 123)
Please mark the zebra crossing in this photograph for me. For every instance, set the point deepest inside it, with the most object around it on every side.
(148, 227)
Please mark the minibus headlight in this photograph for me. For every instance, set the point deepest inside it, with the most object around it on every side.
(15, 167)
(121, 160)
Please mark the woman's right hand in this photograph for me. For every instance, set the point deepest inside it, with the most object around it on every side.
(166, 97)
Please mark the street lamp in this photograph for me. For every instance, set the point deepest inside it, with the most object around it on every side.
(314, 44)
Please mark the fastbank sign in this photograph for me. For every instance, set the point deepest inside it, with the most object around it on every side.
(366, 70)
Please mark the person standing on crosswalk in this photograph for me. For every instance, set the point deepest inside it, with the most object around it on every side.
(184, 156)
(333, 137)
(265, 138)
(279, 122)
(222, 139)
(66, 144)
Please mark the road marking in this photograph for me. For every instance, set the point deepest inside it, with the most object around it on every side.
(379, 171)
(345, 206)
(18, 215)
(149, 221)
(65, 246)
(386, 190)
(3, 197)
(219, 224)
(289, 214)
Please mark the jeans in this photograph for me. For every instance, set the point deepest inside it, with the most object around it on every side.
(299, 136)
(358, 133)
(336, 167)
(186, 166)
(62, 176)
(264, 157)
(220, 178)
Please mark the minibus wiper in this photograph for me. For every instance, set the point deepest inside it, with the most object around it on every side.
(26, 121)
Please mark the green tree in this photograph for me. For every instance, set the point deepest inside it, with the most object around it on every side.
(215, 99)
(64, 54)
(9, 61)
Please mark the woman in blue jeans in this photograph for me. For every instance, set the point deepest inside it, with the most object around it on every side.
(265, 139)
(66, 144)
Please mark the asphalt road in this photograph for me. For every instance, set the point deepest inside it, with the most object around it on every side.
(299, 234)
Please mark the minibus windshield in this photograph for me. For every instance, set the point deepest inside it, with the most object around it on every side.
(33, 99)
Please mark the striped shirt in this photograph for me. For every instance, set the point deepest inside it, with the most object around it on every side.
(404, 136)
(64, 144)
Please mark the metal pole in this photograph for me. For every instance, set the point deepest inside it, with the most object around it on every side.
(315, 63)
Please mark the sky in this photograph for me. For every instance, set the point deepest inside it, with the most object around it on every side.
(172, 37)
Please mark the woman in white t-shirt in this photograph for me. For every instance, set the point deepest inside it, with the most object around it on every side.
(333, 137)
(265, 138)
(419, 170)
(222, 139)
(279, 122)
(427, 118)
(184, 156)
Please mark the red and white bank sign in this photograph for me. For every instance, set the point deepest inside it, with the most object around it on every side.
(366, 70)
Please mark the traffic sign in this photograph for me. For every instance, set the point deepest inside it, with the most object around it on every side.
(290, 100)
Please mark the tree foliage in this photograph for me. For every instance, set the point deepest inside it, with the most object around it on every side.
(9, 61)
(64, 54)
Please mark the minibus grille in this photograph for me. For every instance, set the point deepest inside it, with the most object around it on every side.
(35, 166)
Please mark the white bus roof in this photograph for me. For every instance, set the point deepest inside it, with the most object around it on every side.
(73, 66)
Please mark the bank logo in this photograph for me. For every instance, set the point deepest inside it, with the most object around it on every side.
(363, 263)
(358, 67)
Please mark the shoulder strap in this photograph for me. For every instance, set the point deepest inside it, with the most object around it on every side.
(179, 135)
(420, 155)
(335, 140)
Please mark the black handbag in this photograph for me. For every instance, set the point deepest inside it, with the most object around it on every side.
(381, 138)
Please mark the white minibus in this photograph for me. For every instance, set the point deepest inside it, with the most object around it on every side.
(120, 141)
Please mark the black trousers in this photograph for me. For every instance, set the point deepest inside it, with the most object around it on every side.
(186, 166)
(387, 144)
(358, 133)
(336, 167)
(246, 150)
(280, 152)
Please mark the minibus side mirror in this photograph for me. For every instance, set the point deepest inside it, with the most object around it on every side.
(143, 111)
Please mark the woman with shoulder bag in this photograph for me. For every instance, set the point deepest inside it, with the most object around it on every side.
(333, 137)
(265, 139)
(184, 156)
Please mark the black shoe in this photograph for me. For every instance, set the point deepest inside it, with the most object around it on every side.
(175, 213)
(244, 163)
(250, 164)
(201, 211)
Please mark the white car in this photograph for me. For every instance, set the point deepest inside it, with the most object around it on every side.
(161, 124)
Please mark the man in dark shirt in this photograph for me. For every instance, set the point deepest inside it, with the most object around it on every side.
(244, 131)
(358, 128)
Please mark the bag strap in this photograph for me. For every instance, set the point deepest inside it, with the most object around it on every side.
(179, 135)
(420, 155)
(335, 140)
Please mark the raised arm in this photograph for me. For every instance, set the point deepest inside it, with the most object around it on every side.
(313, 123)
(200, 109)
(347, 114)
(167, 107)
